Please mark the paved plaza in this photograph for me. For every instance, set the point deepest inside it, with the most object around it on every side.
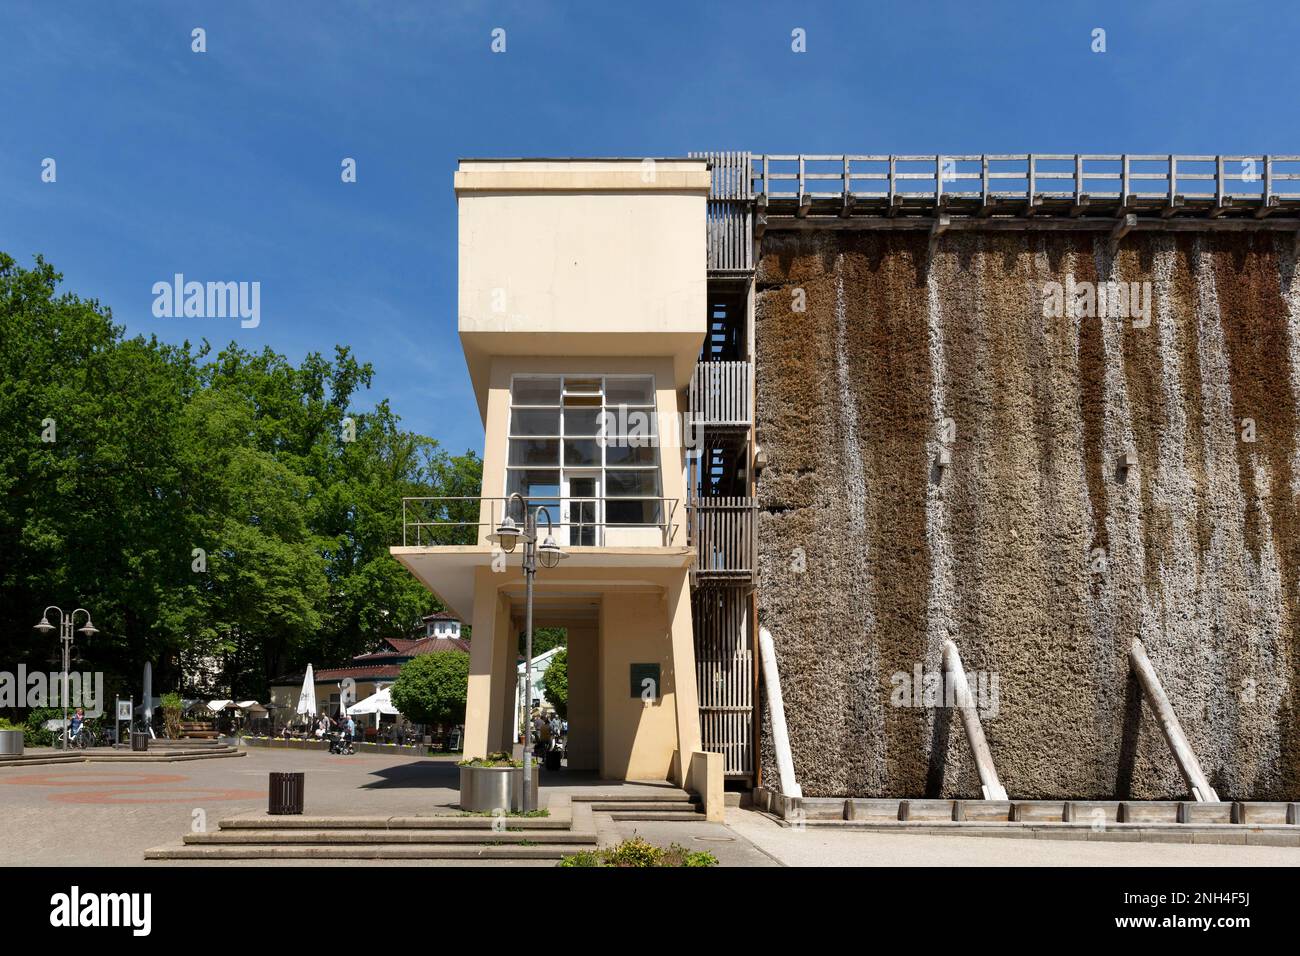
(95, 814)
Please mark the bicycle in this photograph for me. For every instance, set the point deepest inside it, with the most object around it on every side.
(86, 737)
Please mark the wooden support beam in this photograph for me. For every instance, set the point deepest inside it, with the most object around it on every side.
(760, 215)
(1080, 204)
(1169, 726)
(847, 202)
(990, 786)
(1266, 206)
(1171, 208)
(937, 229)
(1121, 229)
(1222, 205)
(895, 205)
(805, 205)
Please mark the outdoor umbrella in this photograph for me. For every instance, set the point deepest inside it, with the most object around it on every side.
(307, 697)
(380, 702)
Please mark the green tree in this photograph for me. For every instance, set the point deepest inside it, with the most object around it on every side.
(230, 508)
(544, 638)
(555, 683)
(432, 688)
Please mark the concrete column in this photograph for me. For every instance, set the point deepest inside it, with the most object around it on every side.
(482, 655)
(584, 703)
(687, 696)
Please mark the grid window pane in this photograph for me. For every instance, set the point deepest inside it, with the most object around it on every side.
(534, 422)
(582, 386)
(629, 484)
(629, 391)
(629, 454)
(581, 451)
(581, 421)
(536, 390)
(533, 483)
(534, 451)
(632, 511)
(636, 425)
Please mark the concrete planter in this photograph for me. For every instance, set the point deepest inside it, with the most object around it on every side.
(495, 788)
(11, 743)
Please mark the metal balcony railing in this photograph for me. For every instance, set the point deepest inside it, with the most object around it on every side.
(721, 395)
(575, 522)
(723, 533)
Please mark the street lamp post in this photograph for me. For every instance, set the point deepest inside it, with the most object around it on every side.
(508, 534)
(66, 623)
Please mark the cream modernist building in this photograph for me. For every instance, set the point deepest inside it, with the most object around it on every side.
(584, 312)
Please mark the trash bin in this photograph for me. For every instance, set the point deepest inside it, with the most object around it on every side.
(139, 741)
(553, 759)
(286, 793)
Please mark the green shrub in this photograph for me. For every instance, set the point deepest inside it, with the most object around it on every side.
(555, 683)
(582, 858)
(431, 689)
(637, 852)
(172, 704)
(491, 760)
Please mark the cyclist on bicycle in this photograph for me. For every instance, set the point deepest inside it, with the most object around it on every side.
(78, 721)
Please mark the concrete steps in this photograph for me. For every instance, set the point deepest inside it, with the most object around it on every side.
(444, 837)
(167, 754)
(669, 804)
(367, 852)
(336, 836)
(41, 759)
(442, 822)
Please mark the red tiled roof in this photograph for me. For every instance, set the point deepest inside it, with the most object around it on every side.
(381, 672)
(382, 665)
(437, 645)
(441, 616)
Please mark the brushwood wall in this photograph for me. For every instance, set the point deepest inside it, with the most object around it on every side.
(1032, 550)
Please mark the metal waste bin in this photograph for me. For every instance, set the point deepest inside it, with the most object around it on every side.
(139, 741)
(286, 793)
(11, 743)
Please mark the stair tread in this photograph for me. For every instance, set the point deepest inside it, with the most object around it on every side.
(397, 837)
(551, 851)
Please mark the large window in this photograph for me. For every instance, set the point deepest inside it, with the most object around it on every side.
(586, 448)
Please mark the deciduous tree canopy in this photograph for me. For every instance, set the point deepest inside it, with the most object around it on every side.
(223, 509)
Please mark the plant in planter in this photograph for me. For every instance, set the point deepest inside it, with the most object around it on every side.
(498, 759)
(171, 708)
(494, 782)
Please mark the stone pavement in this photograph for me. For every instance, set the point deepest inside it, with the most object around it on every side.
(107, 815)
(814, 846)
(100, 815)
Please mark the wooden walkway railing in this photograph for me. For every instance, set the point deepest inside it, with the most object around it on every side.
(731, 229)
(1062, 183)
(723, 533)
(725, 676)
(721, 394)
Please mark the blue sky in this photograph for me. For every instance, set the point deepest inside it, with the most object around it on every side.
(225, 165)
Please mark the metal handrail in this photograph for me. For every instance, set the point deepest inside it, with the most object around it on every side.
(447, 527)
